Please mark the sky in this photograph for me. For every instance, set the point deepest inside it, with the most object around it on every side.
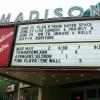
(16, 6)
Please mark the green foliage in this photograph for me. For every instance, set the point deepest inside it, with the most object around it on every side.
(4, 83)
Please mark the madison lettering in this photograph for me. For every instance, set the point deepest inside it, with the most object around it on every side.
(58, 13)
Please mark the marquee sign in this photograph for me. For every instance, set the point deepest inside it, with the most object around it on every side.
(6, 38)
(55, 44)
(59, 32)
(60, 54)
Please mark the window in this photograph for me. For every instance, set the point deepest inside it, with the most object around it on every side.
(91, 93)
(99, 93)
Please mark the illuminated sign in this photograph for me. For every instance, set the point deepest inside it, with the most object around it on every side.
(60, 54)
(58, 13)
(6, 38)
(10, 88)
(59, 32)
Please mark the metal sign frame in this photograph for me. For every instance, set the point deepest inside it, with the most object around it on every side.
(54, 21)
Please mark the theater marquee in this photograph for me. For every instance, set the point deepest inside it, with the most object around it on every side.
(62, 43)
(60, 54)
(75, 31)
